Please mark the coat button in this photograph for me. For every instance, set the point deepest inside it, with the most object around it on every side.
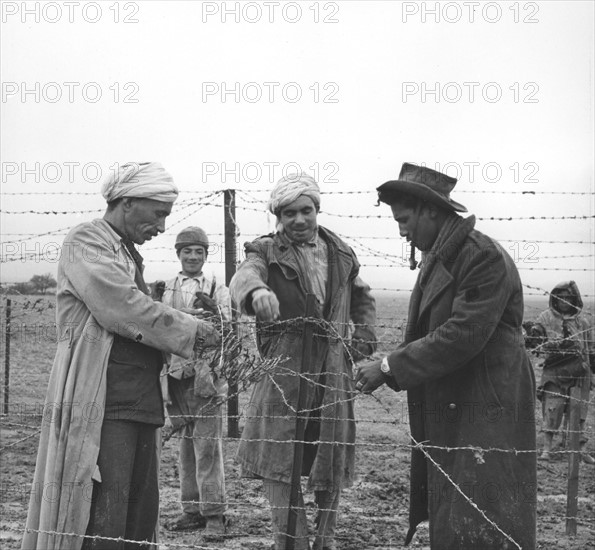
(452, 406)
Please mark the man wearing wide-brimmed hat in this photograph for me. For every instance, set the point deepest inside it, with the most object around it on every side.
(98, 450)
(469, 382)
(196, 394)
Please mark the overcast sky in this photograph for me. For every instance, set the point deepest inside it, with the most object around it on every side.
(500, 94)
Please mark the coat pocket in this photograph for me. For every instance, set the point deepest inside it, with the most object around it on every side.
(489, 372)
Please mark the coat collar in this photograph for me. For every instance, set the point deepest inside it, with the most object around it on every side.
(435, 275)
(341, 263)
(132, 252)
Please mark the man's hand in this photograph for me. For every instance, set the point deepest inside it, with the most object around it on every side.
(165, 387)
(207, 337)
(265, 305)
(197, 312)
(369, 377)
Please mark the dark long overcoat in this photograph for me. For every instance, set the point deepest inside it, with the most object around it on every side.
(266, 446)
(471, 398)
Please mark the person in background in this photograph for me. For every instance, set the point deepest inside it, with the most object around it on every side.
(568, 349)
(195, 394)
(272, 283)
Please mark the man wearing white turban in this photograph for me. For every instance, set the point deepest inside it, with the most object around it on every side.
(280, 270)
(290, 188)
(99, 442)
(142, 180)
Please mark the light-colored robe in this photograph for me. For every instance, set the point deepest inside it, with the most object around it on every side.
(96, 297)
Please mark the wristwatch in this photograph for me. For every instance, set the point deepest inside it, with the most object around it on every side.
(384, 366)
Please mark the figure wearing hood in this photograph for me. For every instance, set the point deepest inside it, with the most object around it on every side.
(567, 350)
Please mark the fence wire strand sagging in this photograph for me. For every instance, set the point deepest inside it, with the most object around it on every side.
(389, 419)
(381, 420)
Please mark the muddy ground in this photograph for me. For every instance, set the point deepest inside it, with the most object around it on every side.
(373, 512)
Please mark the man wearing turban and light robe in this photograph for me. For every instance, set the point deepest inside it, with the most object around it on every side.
(280, 270)
(97, 467)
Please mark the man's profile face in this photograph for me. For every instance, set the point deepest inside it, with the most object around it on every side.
(144, 218)
(192, 258)
(420, 228)
(299, 219)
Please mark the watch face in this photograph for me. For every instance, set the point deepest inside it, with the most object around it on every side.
(384, 367)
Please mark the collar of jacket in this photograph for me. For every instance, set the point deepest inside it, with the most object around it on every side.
(127, 242)
(342, 263)
(283, 242)
(134, 254)
(435, 277)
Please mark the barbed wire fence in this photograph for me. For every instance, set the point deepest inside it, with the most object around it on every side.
(390, 329)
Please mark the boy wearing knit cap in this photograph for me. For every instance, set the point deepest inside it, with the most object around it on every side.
(195, 394)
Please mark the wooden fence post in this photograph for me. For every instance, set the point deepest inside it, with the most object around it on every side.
(574, 459)
(229, 213)
(7, 356)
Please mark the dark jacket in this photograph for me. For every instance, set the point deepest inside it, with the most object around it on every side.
(266, 447)
(470, 386)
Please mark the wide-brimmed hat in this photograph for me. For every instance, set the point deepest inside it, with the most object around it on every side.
(424, 183)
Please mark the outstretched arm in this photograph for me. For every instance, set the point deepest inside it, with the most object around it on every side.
(249, 288)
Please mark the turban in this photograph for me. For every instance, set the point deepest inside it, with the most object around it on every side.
(290, 188)
(147, 180)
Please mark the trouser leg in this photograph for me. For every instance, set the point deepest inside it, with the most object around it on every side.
(552, 408)
(143, 505)
(208, 452)
(127, 493)
(278, 494)
(187, 469)
(326, 519)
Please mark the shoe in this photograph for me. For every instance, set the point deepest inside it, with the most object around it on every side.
(545, 456)
(216, 528)
(273, 547)
(587, 458)
(186, 522)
